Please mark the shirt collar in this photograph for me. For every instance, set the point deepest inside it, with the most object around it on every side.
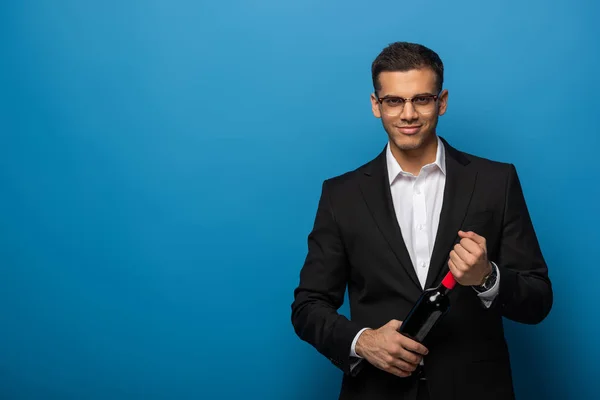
(394, 169)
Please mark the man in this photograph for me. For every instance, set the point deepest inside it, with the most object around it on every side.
(396, 226)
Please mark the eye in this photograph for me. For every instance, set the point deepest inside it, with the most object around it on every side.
(394, 101)
(422, 100)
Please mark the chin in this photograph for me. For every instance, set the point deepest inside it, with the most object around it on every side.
(409, 142)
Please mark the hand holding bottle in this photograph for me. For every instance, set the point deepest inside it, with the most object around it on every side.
(390, 351)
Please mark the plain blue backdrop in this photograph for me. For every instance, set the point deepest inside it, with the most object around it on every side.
(161, 163)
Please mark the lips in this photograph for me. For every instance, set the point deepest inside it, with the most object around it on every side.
(409, 130)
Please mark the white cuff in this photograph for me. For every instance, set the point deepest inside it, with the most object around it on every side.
(353, 347)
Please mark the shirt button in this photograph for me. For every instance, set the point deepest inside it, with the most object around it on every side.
(417, 191)
(420, 227)
(423, 264)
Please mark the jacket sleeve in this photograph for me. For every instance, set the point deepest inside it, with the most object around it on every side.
(320, 293)
(525, 289)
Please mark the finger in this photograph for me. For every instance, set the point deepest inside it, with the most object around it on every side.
(395, 324)
(413, 346)
(480, 240)
(455, 271)
(388, 364)
(458, 274)
(402, 357)
(405, 365)
(392, 369)
(471, 246)
(458, 262)
(409, 358)
(468, 258)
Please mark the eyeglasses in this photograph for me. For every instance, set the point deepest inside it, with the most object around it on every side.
(394, 105)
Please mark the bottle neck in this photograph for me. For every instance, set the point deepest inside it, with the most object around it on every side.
(448, 283)
(444, 290)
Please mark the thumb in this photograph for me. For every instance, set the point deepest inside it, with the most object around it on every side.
(395, 324)
(480, 240)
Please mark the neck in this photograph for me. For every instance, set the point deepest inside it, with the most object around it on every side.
(412, 160)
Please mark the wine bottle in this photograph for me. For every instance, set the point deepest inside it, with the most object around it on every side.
(428, 310)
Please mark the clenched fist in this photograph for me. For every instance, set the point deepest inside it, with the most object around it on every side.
(468, 260)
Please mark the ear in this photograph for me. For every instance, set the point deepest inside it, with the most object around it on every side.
(375, 106)
(443, 99)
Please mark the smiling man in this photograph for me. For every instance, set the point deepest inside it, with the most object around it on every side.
(395, 226)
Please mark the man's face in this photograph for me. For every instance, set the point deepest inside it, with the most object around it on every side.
(410, 129)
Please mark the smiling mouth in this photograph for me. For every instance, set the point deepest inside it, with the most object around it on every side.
(409, 130)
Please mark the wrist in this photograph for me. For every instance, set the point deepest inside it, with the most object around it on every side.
(488, 280)
(487, 274)
(361, 342)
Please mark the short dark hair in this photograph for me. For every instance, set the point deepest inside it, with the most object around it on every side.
(404, 56)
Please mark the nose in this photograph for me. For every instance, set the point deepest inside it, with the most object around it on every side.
(408, 112)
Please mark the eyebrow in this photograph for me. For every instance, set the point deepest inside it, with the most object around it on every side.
(415, 95)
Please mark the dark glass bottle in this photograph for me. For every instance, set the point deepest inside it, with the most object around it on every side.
(428, 310)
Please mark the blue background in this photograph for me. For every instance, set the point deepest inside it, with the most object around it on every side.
(161, 163)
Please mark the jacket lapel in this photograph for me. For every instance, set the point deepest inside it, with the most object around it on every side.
(375, 188)
(460, 183)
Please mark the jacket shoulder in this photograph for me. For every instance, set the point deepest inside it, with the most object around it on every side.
(350, 178)
(485, 165)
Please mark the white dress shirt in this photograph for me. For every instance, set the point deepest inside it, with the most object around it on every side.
(418, 203)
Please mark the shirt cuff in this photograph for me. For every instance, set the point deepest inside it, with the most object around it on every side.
(353, 347)
(487, 297)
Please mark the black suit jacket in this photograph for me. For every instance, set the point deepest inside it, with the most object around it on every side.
(356, 243)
